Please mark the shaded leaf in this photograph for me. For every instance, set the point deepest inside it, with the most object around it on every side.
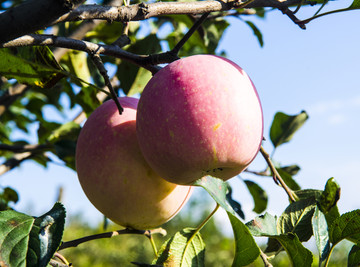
(246, 250)
(185, 248)
(297, 219)
(284, 127)
(128, 73)
(355, 5)
(330, 195)
(256, 32)
(354, 256)
(35, 66)
(234, 204)
(310, 194)
(68, 131)
(65, 150)
(14, 236)
(292, 169)
(288, 179)
(217, 189)
(347, 226)
(46, 235)
(321, 235)
(259, 195)
(298, 254)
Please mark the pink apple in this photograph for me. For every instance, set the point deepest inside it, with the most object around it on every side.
(198, 116)
(114, 174)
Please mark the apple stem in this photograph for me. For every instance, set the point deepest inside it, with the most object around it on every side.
(277, 176)
(100, 66)
(153, 245)
(76, 242)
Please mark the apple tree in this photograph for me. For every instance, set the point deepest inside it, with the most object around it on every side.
(91, 53)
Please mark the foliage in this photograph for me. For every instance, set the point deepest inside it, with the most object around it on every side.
(37, 78)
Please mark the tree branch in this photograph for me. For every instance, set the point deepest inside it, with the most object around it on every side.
(32, 15)
(144, 11)
(76, 242)
(145, 61)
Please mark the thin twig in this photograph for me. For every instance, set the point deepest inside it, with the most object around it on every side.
(25, 148)
(186, 37)
(100, 66)
(277, 176)
(265, 259)
(76, 242)
(291, 15)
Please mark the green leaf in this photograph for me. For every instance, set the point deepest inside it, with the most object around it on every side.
(65, 150)
(298, 254)
(35, 66)
(46, 236)
(297, 219)
(142, 78)
(288, 179)
(266, 225)
(259, 195)
(355, 5)
(77, 64)
(354, 256)
(14, 236)
(330, 195)
(312, 194)
(185, 249)
(292, 169)
(217, 189)
(284, 127)
(246, 250)
(347, 226)
(321, 235)
(128, 73)
(256, 32)
(263, 225)
(87, 99)
(68, 131)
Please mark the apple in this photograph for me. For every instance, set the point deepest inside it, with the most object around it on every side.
(199, 116)
(114, 174)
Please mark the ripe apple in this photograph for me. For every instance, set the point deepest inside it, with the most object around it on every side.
(198, 116)
(114, 174)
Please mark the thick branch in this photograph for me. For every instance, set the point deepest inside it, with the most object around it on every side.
(144, 11)
(31, 16)
(145, 61)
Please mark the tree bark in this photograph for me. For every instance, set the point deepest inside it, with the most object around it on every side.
(31, 16)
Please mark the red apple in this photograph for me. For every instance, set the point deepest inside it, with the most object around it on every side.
(114, 174)
(198, 116)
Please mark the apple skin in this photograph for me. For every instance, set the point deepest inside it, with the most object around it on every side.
(198, 116)
(114, 174)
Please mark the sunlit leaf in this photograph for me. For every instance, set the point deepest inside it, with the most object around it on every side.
(217, 189)
(321, 235)
(297, 219)
(185, 249)
(68, 131)
(246, 250)
(15, 228)
(264, 225)
(284, 127)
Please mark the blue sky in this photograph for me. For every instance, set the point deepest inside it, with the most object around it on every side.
(316, 70)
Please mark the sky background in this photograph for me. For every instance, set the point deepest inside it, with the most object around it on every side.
(316, 70)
